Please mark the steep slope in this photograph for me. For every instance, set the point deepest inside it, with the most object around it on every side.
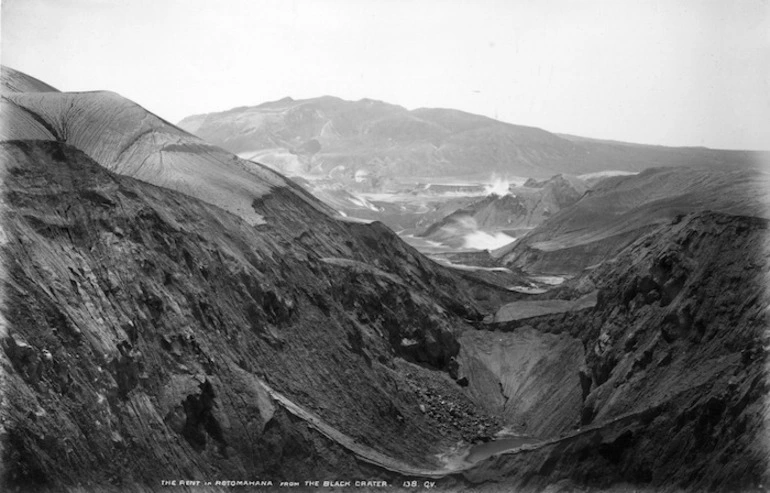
(149, 335)
(620, 209)
(233, 330)
(531, 380)
(127, 139)
(674, 388)
(373, 142)
(14, 81)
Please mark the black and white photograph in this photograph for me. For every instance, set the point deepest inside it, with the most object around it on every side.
(491, 246)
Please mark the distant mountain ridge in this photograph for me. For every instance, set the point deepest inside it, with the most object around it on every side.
(377, 141)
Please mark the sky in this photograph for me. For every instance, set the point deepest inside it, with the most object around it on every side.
(668, 72)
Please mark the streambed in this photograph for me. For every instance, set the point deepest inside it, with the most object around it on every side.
(464, 456)
(486, 450)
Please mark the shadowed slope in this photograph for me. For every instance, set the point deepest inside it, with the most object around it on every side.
(127, 139)
(144, 325)
(620, 209)
(140, 323)
(674, 387)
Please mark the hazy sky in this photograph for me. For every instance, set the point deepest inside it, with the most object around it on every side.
(671, 72)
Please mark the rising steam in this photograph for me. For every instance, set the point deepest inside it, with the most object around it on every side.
(466, 230)
(481, 240)
(499, 187)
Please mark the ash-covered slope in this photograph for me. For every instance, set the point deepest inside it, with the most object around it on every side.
(620, 209)
(674, 387)
(14, 81)
(127, 139)
(235, 330)
(149, 335)
(372, 141)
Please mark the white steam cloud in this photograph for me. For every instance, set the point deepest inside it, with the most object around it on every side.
(481, 240)
(464, 230)
(498, 187)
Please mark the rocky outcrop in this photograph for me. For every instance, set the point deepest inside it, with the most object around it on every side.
(148, 334)
(143, 327)
(674, 387)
